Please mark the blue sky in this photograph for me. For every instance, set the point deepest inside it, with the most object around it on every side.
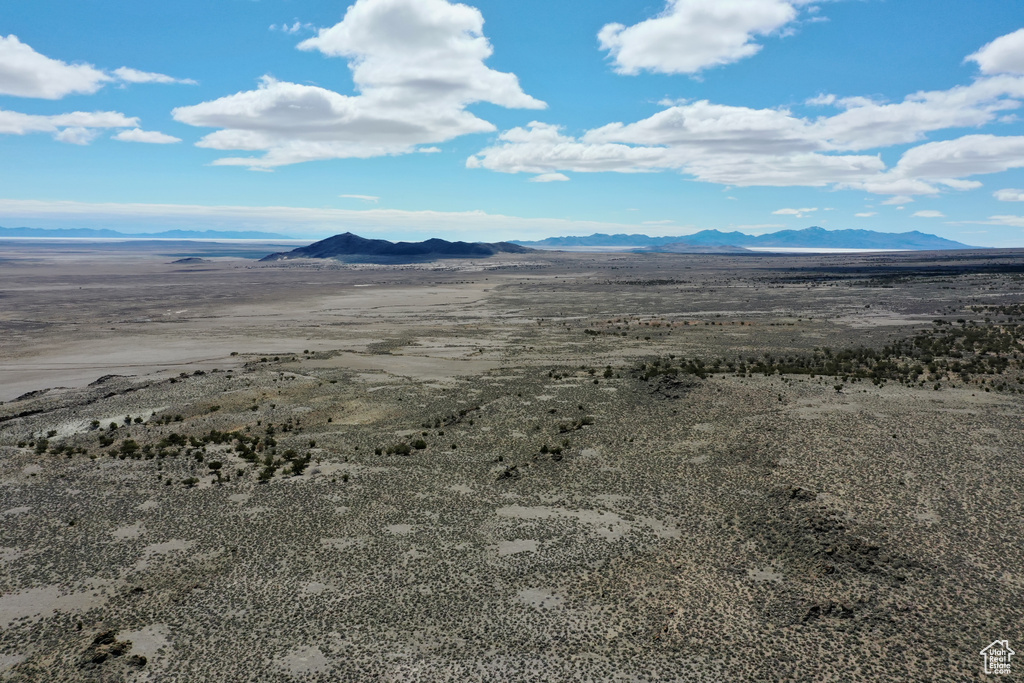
(498, 120)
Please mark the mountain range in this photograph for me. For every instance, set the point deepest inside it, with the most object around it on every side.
(88, 233)
(808, 238)
(349, 247)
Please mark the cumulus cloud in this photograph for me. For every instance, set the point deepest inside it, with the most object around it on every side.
(135, 76)
(692, 35)
(79, 128)
(1003, 55)
(743, 146)
(866, 214)
(929, 214)
(151, 137)
(361, 197)
(969, 155)
(76, 135)
(1009, 195)
(550, 178)
(738, 150)
(26, 73)
(417, 65)
(897, 200)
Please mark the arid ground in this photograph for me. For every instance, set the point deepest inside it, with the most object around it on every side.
(538, 467)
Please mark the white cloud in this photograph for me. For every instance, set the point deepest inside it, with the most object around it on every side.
(1003, 55)
(79, 128)
(866, 214)
(390, 223)
(417, 65)
(292, 29)
(76, 135)
(361, 197)
(799, 213)
(147, 136)
(929, 214)
(692, 35)
(944, 161)
(135, 76)
(26, 73)
(742, 146)
(712, 146)
(822, 100)
(550, 178)
(1009, 195)
(1012, 221)
(866, 124)
(542, 148)
(897, 200)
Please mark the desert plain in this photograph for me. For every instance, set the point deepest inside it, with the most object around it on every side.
(534, 467)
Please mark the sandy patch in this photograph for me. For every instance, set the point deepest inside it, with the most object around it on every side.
(46, 600)
(161, 549)
(517, 546)
(542, 598)
(9, 555)
(764, 575)
(607, 525)
(304, 660)
(127, 532)
(152, 642)
(421, 367)
(10, 661)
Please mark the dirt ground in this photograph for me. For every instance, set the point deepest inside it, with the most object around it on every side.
(484, 470)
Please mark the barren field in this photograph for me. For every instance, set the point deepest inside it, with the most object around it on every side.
(536, 467)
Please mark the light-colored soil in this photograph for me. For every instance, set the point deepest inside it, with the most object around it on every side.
(562, 519)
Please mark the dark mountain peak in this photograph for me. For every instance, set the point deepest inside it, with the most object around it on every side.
(350, 247)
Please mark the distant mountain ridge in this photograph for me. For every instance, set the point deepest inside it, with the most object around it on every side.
(808, 238)
(114, 234)
(355, 248)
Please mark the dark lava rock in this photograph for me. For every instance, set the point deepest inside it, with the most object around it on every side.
(104, 647)
(354, 247)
